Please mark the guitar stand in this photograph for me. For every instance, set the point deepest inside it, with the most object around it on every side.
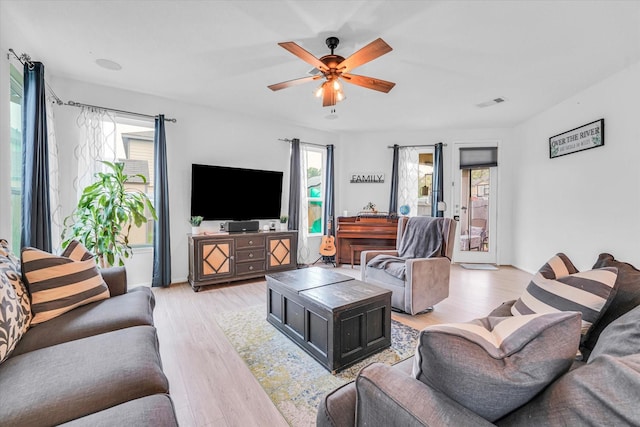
(325, 259)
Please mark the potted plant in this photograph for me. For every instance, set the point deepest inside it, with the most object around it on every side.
(195, 222)
(371, 207)
(283, 222)
(105, 214)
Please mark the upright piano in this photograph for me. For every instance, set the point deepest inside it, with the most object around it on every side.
(355, 234)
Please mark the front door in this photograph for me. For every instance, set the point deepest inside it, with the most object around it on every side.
(474, 207)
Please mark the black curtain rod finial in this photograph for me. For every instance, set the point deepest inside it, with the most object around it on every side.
(23, 58)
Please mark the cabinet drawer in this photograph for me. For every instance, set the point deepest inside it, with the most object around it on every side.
(250, 242)
(250, 254)
(250, 267)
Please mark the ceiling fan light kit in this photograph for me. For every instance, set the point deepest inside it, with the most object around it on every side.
(334, 67)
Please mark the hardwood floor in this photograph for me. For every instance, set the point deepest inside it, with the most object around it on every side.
(211, 385)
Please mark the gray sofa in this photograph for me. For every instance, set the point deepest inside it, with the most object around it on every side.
(601, 389)
(96, 365)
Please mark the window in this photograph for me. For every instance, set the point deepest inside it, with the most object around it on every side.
(133, 140)
(314, 159)
(139, 151)
(425, 183)
(15, 114)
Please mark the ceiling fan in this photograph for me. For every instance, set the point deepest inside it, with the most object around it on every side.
(335, 67)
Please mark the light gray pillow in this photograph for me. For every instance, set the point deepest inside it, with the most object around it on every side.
(620, 338)
(494, 365)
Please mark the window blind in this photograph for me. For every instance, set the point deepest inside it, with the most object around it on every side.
(478, 157)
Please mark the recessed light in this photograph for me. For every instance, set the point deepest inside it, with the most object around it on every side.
(108, 64)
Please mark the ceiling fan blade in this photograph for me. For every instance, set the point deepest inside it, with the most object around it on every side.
(368, 82)
(294, 82)
(368, 53)
(304, 55)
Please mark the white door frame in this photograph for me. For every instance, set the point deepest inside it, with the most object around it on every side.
(490, 256)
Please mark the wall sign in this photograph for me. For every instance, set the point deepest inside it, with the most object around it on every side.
(581, 138)
(367, 178)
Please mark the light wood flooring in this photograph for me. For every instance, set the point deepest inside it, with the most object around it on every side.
(211, 385)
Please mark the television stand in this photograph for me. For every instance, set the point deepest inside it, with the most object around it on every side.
(222, 257)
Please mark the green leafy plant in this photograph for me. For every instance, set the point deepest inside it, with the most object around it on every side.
(195, 221)
(105, 214)
(370, 207)
(284, 219)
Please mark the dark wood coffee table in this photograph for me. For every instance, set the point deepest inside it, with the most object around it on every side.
(336, 319)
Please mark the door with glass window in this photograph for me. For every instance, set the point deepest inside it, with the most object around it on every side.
(475, 200)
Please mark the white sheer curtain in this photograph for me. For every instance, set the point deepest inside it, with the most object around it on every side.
(408, 179)
(54, 186)
(303, 225)
(98, 143)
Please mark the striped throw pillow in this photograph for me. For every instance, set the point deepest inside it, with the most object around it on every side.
(559, 286)
(59, 284)
(77, 251)
(494, 365)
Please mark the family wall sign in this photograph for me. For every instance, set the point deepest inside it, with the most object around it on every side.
(367, 178)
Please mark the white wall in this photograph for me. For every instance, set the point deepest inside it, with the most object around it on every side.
(201, 135)
(584, 203)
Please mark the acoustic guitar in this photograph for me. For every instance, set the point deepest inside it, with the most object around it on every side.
(328, 246)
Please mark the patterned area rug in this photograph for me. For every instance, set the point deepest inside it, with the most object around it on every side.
(294, 381)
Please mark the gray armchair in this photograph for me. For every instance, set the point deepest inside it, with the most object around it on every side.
(426, 280)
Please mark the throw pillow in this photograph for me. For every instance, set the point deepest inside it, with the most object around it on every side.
(59, 284)
(620, 338)
(13, 320)
(10, 265)
(626, 298)
(77, 251)
(559, 286)
(496, 364)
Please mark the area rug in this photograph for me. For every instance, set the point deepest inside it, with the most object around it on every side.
(294, 381)
(479, 266)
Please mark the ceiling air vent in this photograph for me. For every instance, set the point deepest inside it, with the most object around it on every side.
(490, 103)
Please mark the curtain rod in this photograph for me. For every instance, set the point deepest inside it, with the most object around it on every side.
(25, 59)
(303, 142)
(79, 104)
(411, 146)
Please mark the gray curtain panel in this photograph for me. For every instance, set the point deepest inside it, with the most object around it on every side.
(36, 210)
(329, 197)
(294, 185)
(161, 232)
(393, 199)
(438, 186)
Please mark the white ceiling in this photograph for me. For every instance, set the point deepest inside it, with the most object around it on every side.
(447, 56)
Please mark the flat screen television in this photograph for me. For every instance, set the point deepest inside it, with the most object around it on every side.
(227, 193)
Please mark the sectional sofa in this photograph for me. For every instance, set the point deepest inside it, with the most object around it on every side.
(578, 364)
(96, 364)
